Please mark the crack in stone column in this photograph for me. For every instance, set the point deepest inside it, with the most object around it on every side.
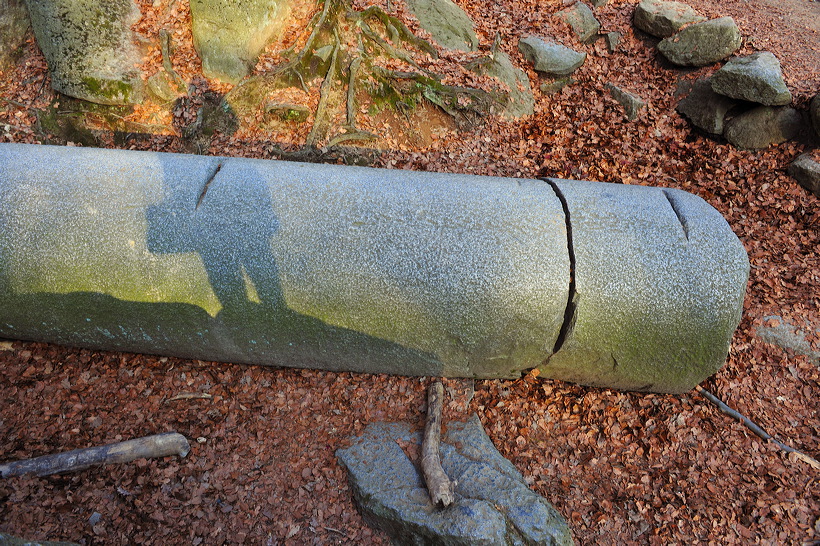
(678, 213)
(572, 304)
(207, 185)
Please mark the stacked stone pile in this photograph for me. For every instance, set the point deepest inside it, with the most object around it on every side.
(746, 101)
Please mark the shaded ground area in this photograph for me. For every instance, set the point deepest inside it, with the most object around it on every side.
(623, 468)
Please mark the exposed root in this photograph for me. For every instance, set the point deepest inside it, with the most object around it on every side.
(327, 54)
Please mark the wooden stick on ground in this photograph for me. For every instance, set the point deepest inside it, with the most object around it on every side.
(158, 445)
(754, 427)
(438, 484)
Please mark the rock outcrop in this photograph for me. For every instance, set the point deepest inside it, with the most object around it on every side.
(701, 44)
(493, 503)
(754, 78)
(90, 48)
(661, 19)
(550, 57)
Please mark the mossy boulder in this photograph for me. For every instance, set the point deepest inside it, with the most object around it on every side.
(230, 34)
(14, 23)
(90, 48)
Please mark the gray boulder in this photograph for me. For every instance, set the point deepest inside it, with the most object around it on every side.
(449, 25)
(90, 48)
(582, 21)
(661, 19)
(755, 78)
(704, 108)
(550, 57)
(493, 503)
(632, 103)
(814, 114)
(14, 23)
(806, 171)
(229, 35)
(763, 126)
(701, 44)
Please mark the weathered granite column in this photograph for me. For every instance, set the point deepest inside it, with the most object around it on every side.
(367, 270)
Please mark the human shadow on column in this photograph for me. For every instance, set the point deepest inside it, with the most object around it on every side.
(231, 224)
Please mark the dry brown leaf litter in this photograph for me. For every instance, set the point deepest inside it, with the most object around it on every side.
(622, 467)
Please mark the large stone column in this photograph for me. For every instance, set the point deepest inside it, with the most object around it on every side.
(367, 270)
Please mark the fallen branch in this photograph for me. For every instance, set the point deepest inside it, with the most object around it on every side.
(158, 445)
(438, 484)
(754, 427)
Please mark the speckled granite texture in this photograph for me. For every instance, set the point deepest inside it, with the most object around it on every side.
(659, 286)
(366, 270)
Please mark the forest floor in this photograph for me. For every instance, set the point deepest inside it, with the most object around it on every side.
(623, 468)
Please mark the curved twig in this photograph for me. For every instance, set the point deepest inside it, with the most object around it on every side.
(754, 427)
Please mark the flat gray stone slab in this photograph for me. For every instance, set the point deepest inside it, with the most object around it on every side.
(659, 285)
(493, 504)
(631, 102)
(788, 336)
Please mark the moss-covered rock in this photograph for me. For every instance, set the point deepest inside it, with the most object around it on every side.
(90, 48)
(230, 34)
(447, 23)
(14, 23)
